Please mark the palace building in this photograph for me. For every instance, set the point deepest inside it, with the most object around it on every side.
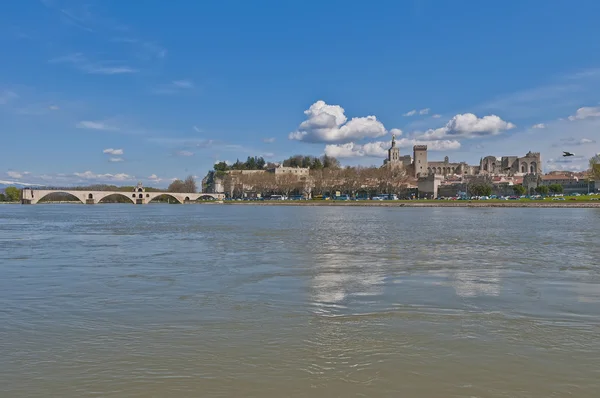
(420, 166)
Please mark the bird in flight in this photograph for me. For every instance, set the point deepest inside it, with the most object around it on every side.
(565, 154)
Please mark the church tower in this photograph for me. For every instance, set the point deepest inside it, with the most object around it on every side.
(393, 152)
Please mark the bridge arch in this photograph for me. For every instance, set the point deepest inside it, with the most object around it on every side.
(99, 198)
(206, 196)
(151, 197)
(80, 196)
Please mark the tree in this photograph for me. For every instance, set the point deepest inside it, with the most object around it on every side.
(519, 190)
(221, 166)
(330, 162)
(189, 185)
(595, 167)
(480, 189)
(251, 163)
(12, 194)
(176, 186)
(2, 197)
(238, 165)
(542, 190)
(316, 164)
(555, 188)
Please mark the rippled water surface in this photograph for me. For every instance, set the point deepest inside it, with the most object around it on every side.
(245, 301)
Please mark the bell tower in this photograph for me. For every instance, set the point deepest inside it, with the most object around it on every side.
(394, 151)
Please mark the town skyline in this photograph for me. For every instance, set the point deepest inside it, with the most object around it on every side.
(99, 93)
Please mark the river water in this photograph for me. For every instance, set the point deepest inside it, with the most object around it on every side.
(269, 301)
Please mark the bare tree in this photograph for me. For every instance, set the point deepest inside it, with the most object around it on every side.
(189, 184)
(176, 186)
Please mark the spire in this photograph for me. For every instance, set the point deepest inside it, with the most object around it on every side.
(393, 140)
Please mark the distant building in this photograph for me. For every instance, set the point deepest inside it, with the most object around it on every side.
(394, 159)
(420, 166)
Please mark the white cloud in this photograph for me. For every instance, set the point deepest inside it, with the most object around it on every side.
(88, 175)
(538, 126)
(436, 116)
(53, 107)
(379, 149)
(328, 123)
(87, 124)
(424, 111)
(197, 130)
(585, 112)
(80, 62)
(183, 83)
(175, 86)
(410, 113)
(21, 183)
(17, 174)
(226, 162)
(269, 140)
(184, 153)
(468, 125)
(7, 96)
(396, 132)
(556, 165)
(116, 160)
(112, 151)
(577, 141)
(154, 178)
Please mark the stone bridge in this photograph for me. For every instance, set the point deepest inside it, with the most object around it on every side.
(140, 196)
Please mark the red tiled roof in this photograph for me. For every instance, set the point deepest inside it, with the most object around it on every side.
(558, 177)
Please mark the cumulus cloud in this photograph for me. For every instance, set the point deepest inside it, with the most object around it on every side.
(396, 132)
(53, 107)
(116, 160)
(112, 151)
(468, 125)
(539, 126)
(436, 116)
(410, 113)
(586, 112)
(379, 149)
(328, 123)
(88, 175)
(88, 124)
(154, 178)
(269, 140)
(424, 111)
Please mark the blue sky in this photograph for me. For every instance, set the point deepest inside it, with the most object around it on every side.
(116, 91)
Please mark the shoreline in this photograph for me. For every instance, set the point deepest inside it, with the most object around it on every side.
(433, 203)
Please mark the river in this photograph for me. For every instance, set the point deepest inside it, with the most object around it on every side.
(268, 301)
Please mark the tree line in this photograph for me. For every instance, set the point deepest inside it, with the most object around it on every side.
(348, 180)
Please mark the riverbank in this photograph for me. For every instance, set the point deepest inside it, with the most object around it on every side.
(423, 203)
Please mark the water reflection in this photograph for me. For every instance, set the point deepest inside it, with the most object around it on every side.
(236, 301)
(475, 283)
